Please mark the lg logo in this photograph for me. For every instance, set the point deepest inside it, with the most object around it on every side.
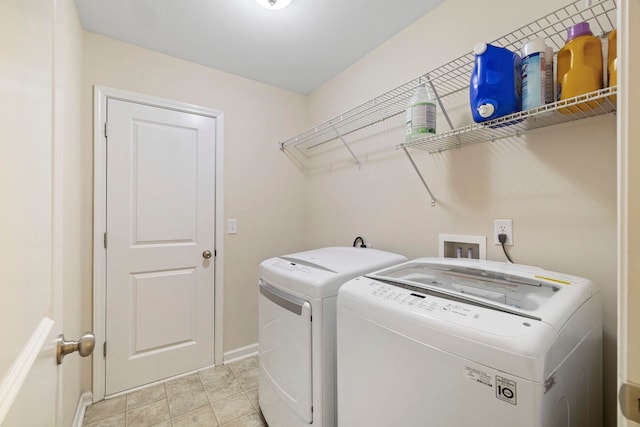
(506, 390)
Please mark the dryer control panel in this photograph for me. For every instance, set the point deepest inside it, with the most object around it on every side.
(286, 265)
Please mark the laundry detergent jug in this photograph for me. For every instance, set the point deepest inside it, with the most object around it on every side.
(579, 66)
(612, 61)
(495, 82)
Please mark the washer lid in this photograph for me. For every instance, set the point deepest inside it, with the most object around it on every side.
(319, 273)
(526, 291)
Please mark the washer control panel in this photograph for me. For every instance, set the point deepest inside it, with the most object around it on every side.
(421, 302)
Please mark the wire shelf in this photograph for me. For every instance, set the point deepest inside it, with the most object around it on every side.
(581, 107)
(453, 77)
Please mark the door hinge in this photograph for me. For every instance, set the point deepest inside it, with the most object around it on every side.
(104, 238)
(104, 349)
(105, 129)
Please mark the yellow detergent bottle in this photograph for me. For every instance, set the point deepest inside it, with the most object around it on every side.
(579, 67)
(612, 60)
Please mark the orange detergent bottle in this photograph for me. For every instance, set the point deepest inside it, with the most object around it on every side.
(612, 60)
(579, 66)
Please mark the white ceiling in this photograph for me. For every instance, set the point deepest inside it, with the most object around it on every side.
(298, 48)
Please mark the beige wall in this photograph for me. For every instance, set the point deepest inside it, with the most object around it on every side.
(557, 184)
(262, 189)
(76, 200)
(26, 75)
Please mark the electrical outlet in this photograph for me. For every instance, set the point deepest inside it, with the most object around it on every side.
(503, 226)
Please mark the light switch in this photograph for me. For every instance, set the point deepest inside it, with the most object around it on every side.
(232, 226)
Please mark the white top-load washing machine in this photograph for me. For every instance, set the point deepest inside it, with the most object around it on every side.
(455, 343)
(297, 331)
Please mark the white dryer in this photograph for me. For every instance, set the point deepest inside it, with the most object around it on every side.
(297, 331)
(454, 343)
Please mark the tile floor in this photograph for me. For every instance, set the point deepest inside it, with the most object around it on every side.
(225, 395)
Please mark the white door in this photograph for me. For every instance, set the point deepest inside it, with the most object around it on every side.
(160, 243)
(30, 220)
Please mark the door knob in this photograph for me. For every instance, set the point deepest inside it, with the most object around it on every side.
(206, 254)
(84, 346)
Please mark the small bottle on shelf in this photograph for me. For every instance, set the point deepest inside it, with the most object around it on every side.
(534, 73)
(421, 115)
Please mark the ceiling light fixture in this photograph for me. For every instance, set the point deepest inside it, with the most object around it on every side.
(274, 4)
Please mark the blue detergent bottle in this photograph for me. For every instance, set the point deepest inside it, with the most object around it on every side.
(495, 89)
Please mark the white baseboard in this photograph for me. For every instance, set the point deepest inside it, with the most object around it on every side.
(85, 400)
(240, 353)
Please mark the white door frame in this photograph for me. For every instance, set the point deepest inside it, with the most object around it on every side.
(628, 200)
(100, 96)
